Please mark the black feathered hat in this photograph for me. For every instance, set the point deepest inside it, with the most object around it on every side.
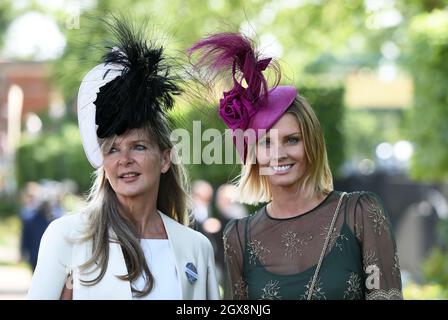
(131, 88)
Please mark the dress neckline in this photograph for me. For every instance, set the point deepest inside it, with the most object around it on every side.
(265, 211)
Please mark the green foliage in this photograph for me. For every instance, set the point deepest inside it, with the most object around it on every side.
(414, 291)
(427, 55)
(10, 228)
(365, 129)
(442, 231)
(435, 267)
(314, 29)
(8, 207)
(5, 18)
(328, 104)
(85, 45)
(303, 31)
(55, 156)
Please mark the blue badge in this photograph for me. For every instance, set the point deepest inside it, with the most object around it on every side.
(191, 272)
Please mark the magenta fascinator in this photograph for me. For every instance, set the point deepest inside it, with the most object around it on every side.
(249, 104)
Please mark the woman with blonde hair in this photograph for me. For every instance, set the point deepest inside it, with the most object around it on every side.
(309, 241)
(131, 241)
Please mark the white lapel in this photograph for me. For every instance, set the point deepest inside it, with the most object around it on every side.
(175, 239)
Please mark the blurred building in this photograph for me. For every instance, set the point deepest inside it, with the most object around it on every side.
(24, 90)
(415, 208)
(371, 90)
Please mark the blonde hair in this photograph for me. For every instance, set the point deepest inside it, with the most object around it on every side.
(253, 188)
(103, 212)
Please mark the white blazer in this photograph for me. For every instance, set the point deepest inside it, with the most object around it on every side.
(59, 256)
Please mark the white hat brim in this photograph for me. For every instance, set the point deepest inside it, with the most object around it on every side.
(88, 90)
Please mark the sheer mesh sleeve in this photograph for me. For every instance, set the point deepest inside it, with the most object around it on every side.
(236, 287)
(380, 260)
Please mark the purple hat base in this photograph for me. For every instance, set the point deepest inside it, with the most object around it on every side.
(279, 99)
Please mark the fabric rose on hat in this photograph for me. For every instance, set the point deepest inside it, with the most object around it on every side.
(235, 110)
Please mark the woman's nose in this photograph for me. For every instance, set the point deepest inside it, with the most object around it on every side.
(278, 154)
(125, 158)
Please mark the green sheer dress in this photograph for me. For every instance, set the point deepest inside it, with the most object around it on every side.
(270, 258)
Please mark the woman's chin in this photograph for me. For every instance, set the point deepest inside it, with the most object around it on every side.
(129, 193)
(282, 181)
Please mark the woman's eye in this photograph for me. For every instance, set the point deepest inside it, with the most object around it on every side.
(112, 150)
(265, 142)
(140, 147)
(293, 140)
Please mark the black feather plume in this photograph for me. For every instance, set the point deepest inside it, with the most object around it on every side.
(145, 89)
